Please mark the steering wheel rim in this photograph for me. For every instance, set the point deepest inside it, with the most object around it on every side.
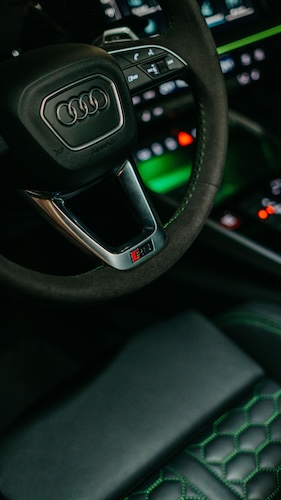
(186, 27)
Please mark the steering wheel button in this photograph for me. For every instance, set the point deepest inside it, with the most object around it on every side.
(136, 78)
(152, 69)
(141, 54)
(172, 63)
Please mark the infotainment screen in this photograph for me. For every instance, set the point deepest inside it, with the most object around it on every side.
(152, 19)
(218, 13)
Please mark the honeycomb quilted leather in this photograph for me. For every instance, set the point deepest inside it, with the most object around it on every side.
(240, 456)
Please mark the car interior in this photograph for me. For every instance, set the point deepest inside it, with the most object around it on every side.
(140, 148)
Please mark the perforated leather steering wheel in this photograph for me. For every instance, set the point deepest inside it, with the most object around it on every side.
(66, 112)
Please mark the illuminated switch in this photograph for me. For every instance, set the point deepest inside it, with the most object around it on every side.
(255, 74)
(246, 59)
(259, 54)
(167, 88)
(230, 221)
(171, 144)
(135, 3)
(136, 100)
(227, 64)
(185, 139)
(110, 12)
(244, 78)
(181, 84)
(149, 94)
(145, 116)
(158, 111)
(144, 154)
(157, 148)
(275, 186)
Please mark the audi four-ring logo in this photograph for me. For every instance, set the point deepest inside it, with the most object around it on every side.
(79, 107)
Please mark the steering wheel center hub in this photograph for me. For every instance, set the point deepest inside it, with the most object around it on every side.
(83, 113)
(73, 112)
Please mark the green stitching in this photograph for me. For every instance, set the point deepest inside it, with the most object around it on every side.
(190, 484)
(237, 486)
(251, 319)
(236, 434)
(165, 479)
(196, 169)
(277, 491)
(210, 469)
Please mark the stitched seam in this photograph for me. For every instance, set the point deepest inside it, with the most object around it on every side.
(213, 473)
(96, 268)
(251, 319)
(198, 495)
(189, 483)
(197, 167)
(235, 435)
(197, 451)
(277, 491)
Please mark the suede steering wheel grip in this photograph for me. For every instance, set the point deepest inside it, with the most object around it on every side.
(189, 38)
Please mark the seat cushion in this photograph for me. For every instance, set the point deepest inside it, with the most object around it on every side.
(98, 441)
(238, 457)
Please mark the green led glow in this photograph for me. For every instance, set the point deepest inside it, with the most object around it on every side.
(249, 39)
(171, 170)
(171, 180)
(162, 174)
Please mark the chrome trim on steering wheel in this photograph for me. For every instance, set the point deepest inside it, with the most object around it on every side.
(149, 241)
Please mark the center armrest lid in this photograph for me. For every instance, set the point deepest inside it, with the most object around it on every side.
(163, 386)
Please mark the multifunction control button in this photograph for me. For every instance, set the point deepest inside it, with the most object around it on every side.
(138, 55)
(136, 78)
(143, 66)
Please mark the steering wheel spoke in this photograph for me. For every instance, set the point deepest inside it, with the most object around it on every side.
(141, 234)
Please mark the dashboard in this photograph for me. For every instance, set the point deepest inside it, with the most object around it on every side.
(218, 13)
(221, 15)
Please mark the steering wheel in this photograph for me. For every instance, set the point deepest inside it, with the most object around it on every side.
(67, 116)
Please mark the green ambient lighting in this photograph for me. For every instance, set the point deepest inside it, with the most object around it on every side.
(173, 169)
(162, 174)
(237, 44)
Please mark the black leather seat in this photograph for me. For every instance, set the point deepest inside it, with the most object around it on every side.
(182, 412)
